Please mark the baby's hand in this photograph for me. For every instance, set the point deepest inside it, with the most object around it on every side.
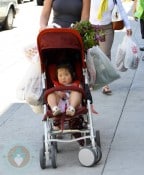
(62, 95)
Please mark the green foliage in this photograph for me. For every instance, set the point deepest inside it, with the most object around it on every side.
(87, 33)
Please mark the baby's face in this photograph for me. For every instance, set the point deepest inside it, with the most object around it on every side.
(64, 76)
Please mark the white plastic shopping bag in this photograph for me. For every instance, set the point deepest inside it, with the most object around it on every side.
(120, 56)
(127, 55)
(31, 52)
(33, 89)
(105, 72)
(131, 58)
(30, 89)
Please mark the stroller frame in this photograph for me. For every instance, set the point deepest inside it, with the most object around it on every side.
(90, 153)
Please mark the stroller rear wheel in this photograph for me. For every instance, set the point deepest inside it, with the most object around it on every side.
(42, 159)
(53, 153)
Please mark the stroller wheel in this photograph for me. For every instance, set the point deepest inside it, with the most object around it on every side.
(42, 159)
(55, 144)
(87, 157)
(98, 154)
(43, 141)
(53, 154)
(97, 139)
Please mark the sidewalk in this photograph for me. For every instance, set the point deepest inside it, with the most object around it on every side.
(125, 152)
(122, 117)
(120, 121)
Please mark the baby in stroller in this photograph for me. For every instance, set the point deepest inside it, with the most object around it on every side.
(65, 101)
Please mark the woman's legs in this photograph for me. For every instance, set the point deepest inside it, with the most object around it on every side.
(142, 31)
(142, 27)
(107, 44)
(106, 48)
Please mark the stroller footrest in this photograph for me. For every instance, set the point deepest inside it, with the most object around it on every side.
(79, 111)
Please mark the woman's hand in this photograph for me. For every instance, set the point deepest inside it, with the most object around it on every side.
(129, 32)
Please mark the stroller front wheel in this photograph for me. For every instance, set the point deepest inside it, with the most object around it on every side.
(87, 157)
(98, 154)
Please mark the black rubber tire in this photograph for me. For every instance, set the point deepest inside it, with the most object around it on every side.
(42, 159)
(40, 2)
(53, 156)
(20, 1)
(97, 139)
(8, 24)
(98, 154)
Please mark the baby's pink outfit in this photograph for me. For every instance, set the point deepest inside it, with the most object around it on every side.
(64, 103)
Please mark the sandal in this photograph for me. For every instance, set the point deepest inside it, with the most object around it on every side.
(70, 111)
(56, 110)
(106, 90)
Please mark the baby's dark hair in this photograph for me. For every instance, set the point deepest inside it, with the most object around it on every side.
(68, 67)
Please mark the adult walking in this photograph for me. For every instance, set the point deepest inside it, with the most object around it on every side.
(65, 12)
(138, 10)
(101, 17)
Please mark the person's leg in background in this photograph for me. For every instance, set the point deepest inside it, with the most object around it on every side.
(142, 31)
(106, 48)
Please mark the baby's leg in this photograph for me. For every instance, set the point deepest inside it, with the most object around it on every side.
(75, 99)
(53, 100)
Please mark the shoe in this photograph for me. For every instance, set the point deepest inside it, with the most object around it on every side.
(70, 111)
(56, 111)
(106, 90)
(141, 48)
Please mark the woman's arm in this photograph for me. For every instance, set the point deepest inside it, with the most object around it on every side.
(124, 17)
(85, 10)
(45, 14)
(134, 6)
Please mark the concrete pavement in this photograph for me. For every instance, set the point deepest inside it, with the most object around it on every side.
(120, 121)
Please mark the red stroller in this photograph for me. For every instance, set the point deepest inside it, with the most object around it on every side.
(54, 46)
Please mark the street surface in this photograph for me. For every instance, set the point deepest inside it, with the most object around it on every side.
(120, 119)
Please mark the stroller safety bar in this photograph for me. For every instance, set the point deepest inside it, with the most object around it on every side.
(63, 88)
